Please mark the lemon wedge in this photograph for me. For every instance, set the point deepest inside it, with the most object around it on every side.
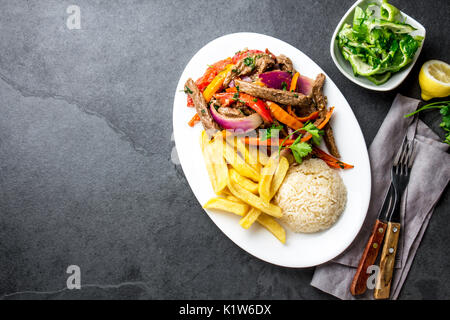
(434, 79)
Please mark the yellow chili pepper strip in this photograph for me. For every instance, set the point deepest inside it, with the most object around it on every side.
(217, 83)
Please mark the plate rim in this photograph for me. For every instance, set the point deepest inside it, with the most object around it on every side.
(364, 207)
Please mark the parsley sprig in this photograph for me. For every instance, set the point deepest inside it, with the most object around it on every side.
(444, 107)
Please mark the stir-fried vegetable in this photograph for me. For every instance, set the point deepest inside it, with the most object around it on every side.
(217, 83)
(276, 79)
(244, 124)
(256, 104)
(281, 115)
(208, 76)
(377, 45)
(330, 160)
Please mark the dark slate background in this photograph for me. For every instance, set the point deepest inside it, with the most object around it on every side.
(85, 149)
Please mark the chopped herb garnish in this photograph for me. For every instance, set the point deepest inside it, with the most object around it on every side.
(295, 95)
(187, 90)
(284, 86)
(203, 111)
(255, 100)
(250, 62)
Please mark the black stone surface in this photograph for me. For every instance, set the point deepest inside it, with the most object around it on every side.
(85, 148)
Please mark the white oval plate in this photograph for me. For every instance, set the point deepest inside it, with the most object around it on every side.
(300, 250)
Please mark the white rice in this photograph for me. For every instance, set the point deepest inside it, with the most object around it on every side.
(312, 197)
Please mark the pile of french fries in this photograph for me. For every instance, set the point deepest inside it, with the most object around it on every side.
(245, 180)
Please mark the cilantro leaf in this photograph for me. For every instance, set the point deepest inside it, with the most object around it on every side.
(314, 131)
(444, 107)
(300, 150)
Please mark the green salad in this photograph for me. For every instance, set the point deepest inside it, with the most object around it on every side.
(378, 44)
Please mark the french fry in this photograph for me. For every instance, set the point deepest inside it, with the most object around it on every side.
(249, 158)
(219, 164)
(280, 174)
(254, 200)
(244, 182)
(215, 164)
(267, 174)
(204, 143)
(250, 218)
(237, 208)
(239, 164)
(274, 227)
(233, 198)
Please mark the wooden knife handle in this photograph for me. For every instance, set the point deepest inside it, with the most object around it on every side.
(359, 283)
(387, 262)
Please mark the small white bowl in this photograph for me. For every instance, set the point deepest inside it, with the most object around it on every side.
(345, 67)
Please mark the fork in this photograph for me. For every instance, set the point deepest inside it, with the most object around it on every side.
(400, 173)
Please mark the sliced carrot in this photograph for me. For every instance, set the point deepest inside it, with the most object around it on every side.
(254, 141)
(194, 120)
(327, 119)
(321, 125)
(281, 115)
(230, 90)
(330, 160)
(294, 82)
(312, 116)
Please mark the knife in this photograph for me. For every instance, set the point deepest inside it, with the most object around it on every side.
(400, 175)
(369, 256)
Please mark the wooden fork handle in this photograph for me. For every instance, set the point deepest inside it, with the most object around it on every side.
(359, 283)
(387, 262)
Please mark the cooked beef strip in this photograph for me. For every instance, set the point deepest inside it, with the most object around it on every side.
(230, 112)
(285, 63)
(321, 102)
(279, 96)
(262, 62)
(201, 106)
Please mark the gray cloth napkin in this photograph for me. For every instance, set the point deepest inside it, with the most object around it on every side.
(429, 177)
